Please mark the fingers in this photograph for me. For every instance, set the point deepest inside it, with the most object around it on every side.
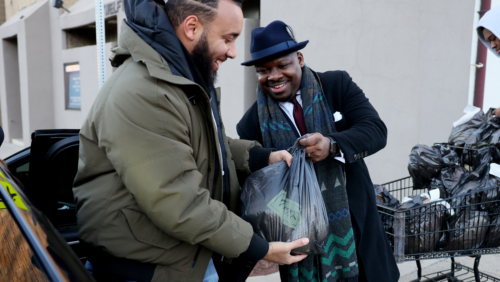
(312, 140)
(297, 258)
(288, 158)
(497, 112)
(298, 243)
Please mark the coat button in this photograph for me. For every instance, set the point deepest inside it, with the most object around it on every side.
(356, 156)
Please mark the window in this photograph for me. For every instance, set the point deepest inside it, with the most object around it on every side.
(72, 86)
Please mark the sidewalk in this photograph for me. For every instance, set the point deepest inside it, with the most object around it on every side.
(489, 264)
(8, 149)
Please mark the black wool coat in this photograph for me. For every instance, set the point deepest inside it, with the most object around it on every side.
(360, 133)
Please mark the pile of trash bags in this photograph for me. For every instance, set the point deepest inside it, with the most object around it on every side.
(285, 203)
(461, 210)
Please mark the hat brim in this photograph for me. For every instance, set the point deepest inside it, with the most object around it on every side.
(278, 54)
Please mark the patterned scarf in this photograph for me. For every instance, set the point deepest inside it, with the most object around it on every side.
(339, 263)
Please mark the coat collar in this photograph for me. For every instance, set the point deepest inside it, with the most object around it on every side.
(130, 44)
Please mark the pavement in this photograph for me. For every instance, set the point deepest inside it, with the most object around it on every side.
(8, 149)
(489, 264)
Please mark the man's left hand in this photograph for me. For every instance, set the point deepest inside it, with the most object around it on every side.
(317, 145)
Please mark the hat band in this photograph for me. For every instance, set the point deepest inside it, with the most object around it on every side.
(273, 49)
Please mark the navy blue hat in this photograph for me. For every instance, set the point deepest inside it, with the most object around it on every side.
(273, 41)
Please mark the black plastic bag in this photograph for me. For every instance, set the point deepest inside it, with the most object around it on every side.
(285, 204)
(385, 198)
(470, 189)
(448, 180)
(492, 239)
(461, 133)
(495, 138)
(487, 154)
(484, 132)
(426, 162)
(423, 226)
(468, 230)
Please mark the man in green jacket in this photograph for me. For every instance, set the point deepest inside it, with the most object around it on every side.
(157, 190)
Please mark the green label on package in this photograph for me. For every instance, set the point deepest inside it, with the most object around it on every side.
(286, 209)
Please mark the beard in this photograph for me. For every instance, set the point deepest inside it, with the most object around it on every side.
(203, 60)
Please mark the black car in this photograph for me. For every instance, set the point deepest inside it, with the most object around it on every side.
(38, 229)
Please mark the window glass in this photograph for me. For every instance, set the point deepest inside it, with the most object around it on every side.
(72, 85)
(22, 173)
(17, 261)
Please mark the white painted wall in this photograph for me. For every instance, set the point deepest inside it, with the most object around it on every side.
(237, 82)
(492, 83)
(411, 58)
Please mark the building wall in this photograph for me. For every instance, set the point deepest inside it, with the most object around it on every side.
(411, 58)
(237, 83)
(13, 6)
(2, 11)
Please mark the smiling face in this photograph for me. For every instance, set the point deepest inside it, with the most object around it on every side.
(223, 32)
(492, 39)
(280, 78)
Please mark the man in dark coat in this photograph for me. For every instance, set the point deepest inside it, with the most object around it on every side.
(359, 133)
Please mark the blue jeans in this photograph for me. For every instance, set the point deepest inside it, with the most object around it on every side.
(211, 273)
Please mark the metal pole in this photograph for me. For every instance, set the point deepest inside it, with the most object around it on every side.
(482, 53)
(100, 34)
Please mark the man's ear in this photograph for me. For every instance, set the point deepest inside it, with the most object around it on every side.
(301, 59)
(192, 27)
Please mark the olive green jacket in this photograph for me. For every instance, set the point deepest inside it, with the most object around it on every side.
(146, 170)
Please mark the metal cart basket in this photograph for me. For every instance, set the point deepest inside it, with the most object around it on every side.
(440, 230)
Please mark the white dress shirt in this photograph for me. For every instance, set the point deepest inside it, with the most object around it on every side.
(287, 107)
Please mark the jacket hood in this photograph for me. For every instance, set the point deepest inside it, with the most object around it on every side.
(150, 22)
(490, 21)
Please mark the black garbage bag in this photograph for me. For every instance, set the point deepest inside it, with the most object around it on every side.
(468, 229)
(490, 195)
(461, 133)
(423, 226)
(492, 239)
(285, 204)
(448, 180)
(426, 162)
(415, 201)
(436, 183)
(472, 187)
(484, 132)
(487, 154)
(385, 198)
(495, 138)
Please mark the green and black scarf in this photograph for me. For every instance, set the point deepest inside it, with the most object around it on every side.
(339, 263)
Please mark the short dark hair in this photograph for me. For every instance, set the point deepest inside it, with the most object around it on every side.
(178, 10)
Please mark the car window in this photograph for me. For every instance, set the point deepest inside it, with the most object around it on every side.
(29, 245)
(22, 173)
(17, 259)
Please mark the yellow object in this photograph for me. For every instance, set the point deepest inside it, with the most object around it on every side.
(12, 192)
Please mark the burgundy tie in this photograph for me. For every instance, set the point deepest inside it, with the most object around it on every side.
(298, 116)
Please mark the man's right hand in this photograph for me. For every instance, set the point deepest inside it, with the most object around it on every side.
(277, 156)
(280, 252)
(496, 112)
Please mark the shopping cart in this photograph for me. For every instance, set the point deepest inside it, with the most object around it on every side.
(424, 232)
